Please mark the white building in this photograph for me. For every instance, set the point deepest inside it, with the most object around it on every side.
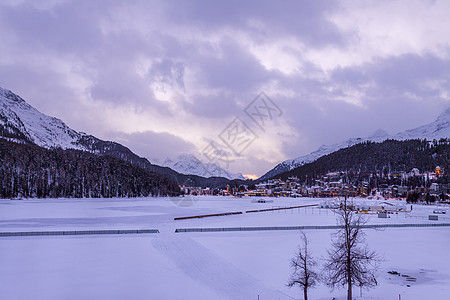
(415, 172)
(434, 186)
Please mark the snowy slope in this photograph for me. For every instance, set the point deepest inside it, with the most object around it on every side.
(440, 128)
(378, 136)
(434, 130)
(186, 253)
(190, 165)
(17, 116)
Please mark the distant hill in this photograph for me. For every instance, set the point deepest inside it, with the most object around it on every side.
(440, 128)
(188, 164)
(371, 157)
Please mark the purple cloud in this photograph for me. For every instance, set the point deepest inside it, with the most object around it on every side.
(188, 68)
(153, 145)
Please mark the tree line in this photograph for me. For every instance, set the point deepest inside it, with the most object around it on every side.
(373, 162)
(27, 170)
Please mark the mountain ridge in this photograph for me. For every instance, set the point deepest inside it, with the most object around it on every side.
(440, 128)
(189, 164)
(369, 161)
(22, 123)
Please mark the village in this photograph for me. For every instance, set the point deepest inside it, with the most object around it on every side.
(414, 186)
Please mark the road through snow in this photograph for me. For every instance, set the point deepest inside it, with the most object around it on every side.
(206, 267)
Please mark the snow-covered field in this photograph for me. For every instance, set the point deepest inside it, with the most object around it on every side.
(216, 265)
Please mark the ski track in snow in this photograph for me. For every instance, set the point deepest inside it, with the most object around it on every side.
(204, 266)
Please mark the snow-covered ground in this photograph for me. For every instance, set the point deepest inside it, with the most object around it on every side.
(216, 265)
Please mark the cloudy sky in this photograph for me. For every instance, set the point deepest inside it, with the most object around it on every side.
(168, 77)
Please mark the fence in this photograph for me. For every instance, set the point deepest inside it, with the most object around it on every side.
(79, 232)
(280, 208)
(248, 211)
(142, 231)
(306, 227)
(211, 215)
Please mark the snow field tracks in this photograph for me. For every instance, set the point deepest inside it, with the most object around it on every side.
(209, 269)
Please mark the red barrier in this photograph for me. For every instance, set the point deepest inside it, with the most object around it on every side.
(280, 208)
(212, 215)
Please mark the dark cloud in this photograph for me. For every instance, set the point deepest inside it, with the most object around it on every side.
(80, 55)
(118, 84)
(72, 27)
(400, 90)
(167, 71)
(395, 75)
(219, 106)
(410, 73)
(304, 19)
(152, 144)
(47, 92)
(236, 69)
(397, 93)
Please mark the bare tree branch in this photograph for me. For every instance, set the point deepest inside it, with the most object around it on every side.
(349, 260)
(303, 264)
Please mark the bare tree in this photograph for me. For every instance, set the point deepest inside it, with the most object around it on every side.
(303, 264)
(349, 260)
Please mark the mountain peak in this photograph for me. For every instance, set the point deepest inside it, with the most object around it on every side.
(187, 157)
(189, 164)
(31, 125)
(4, 93)
(445, 116)
(379, 133)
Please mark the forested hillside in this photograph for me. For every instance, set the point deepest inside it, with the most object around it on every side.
(119, 151)
(22, 123)
(31, 171)
(369, 158)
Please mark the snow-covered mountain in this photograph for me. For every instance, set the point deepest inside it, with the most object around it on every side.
(287, 165)
(440, 128)
(21, 122)
(190, 165)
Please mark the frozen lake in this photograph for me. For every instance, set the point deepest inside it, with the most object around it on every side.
(219, 265)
